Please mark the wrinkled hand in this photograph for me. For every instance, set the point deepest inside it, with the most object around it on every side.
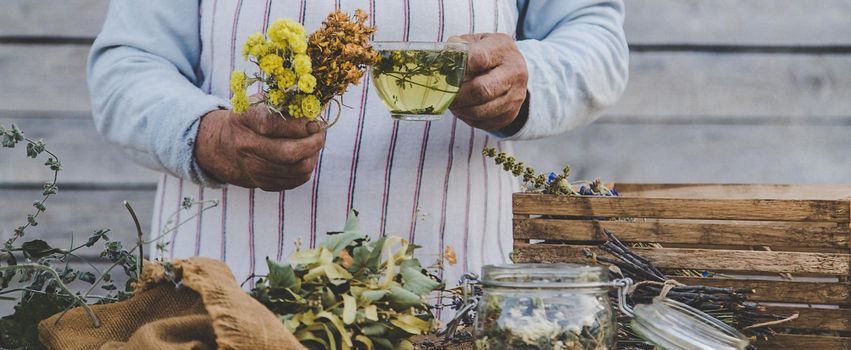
(258, 149)
(494, 87)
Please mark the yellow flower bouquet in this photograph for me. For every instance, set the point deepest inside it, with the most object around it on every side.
(299, 75)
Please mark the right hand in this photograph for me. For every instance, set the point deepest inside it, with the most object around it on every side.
(258, 149)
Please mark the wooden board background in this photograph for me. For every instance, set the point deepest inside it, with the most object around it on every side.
(739, 91)
(744, 91)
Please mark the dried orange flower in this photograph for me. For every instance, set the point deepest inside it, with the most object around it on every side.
(340, 52)
(348, 261)
(449, 256)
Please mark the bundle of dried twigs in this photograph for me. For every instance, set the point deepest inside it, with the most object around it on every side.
(730, 305)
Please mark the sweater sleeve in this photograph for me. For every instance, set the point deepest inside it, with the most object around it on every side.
(577, 57)
(144, 77)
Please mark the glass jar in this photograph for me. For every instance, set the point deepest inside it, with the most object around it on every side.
(671, 325)
(546, 307)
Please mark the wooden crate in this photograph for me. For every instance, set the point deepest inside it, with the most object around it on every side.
(759, 234)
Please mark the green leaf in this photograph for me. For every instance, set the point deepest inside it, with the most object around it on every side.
(352, 222)
(96, 236)
(368, 256)
(371, 296)
(53, 164)
(37, 249)
(281, 275)
(50, 188)
(34, 149)
(373, 329)
(403, 298)
(339, 241)
(87, 277)
(39, 206)
(415, 280)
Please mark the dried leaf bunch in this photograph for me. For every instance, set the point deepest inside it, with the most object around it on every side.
(351, 293)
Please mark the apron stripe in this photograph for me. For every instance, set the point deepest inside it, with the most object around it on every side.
(359, 134)
(419, 184)
(388, 170)
(314, 199)
(356, 149)
(224, 239)
(424, 147)
(446, 185)
(501, 178)
(280, 252)
(252, 257)
(176, 220)
(224, 190)
(252, 262)
(212, 48)
(198, 220)
(464, 251)
(164, 187)
(485, 197)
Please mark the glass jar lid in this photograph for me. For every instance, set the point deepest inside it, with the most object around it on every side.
(546, 276)
(671, 325)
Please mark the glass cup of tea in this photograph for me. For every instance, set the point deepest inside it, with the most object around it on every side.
(419, 80)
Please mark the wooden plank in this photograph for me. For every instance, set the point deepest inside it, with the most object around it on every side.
(700, 259)
(739, 22)
(67, 18)
(77, 211)
(774, 234)
(781, 291)
(799, 341)
(748, 22)
(85, 155)
(736, 191)
(677, 153)
(704, 87)
(44, 78)
(673, 208)
(814, 318)
(663, 87)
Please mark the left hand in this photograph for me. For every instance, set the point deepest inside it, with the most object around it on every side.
(495, 78)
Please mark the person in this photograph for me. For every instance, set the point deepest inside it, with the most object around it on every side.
(158, 75)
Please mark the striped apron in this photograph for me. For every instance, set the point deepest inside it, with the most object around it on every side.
(427, 182)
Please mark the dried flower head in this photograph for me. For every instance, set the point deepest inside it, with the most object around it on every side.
(449, 256)
(340, 52)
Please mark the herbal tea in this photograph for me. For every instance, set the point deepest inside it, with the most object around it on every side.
(419, 84)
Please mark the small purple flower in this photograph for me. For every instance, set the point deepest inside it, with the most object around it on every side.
(551, 178)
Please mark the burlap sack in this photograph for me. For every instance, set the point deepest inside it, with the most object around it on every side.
(210, 311)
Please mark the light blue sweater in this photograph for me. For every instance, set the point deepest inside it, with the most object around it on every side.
(144, 74)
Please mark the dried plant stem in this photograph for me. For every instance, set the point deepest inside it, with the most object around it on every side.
(139, 241)
(47, 194)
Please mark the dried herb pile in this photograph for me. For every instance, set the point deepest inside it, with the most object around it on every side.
(351, 292)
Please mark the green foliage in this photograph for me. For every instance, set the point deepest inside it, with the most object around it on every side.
(20, 330)
(351, 293)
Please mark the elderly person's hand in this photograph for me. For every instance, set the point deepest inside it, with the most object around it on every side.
(258, 149)
(494, 87)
